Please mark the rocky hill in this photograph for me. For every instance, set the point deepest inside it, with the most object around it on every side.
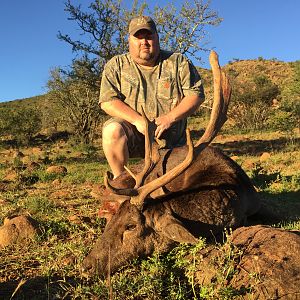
(243, 71)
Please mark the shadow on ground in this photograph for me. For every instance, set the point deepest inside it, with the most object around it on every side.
(251, 147)
(38, 288)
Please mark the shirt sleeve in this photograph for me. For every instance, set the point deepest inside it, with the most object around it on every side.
(191, 83)
(110, 83)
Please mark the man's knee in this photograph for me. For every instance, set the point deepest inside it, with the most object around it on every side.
(113, 132)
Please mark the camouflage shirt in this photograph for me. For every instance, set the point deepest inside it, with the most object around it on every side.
(158, 89)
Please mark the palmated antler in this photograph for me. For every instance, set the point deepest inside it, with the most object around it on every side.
(222, 92)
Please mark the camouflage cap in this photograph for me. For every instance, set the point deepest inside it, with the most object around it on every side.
(141, 22)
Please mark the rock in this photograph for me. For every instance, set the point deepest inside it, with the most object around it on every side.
(78, 220)
(234, 157)
(32, 166)
(74, 219)
(17, 154)
(266, 263)
(11, 176)
(69, 260)
(56, 182)
(37, 151)
(265, 156)
(18, 229)
(249, 164)
(26, 159)
(57, 170)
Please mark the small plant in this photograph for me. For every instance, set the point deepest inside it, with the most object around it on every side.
(39, 205)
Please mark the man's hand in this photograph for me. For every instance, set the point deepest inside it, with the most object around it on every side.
(119, 109)
(140, 125)
(163, 122)
(185, 108)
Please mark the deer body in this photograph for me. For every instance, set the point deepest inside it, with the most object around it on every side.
(212, 181)
(212, 194)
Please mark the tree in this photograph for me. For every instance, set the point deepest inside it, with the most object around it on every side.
(77, 98)
(184, 30)
(104, 28)
(287, 117)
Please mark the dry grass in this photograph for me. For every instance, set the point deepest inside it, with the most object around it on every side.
(49, 268)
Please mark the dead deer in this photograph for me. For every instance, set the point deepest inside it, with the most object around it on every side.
(180, 194)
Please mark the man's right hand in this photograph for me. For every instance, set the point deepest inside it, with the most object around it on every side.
(118, 108)
(140, 125)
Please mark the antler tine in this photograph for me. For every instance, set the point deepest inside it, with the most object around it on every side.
(155, 184)
(148, 153)
(226, 89)
(148, 162)
(222, 92)
(126, 192)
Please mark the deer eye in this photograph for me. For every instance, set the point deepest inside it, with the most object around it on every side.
(130, 227)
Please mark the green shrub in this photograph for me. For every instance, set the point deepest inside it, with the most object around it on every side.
(19, 124)
(282, 120)
(251, 103)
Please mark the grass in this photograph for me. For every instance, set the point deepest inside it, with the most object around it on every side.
(49, 268)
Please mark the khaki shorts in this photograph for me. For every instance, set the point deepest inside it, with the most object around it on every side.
(136, 140)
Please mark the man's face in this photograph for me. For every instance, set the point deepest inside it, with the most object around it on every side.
(144, 47)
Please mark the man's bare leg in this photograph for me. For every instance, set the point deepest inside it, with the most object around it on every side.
(114, 142)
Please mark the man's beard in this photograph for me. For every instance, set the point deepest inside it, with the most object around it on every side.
(146, 56)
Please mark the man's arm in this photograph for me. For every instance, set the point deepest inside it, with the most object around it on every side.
(110, 100)
(187, 106)
(117, 108)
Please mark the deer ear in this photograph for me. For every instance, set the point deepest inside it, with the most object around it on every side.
(172, 228)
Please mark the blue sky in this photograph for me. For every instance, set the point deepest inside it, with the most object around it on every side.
(29, 47)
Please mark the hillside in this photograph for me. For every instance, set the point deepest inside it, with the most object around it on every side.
(241, 71)
(242, 74)
(36, 101)
(279, 73)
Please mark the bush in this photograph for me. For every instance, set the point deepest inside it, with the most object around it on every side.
(290, 97)
(19, 124)
(251, 103)
(282, 120)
